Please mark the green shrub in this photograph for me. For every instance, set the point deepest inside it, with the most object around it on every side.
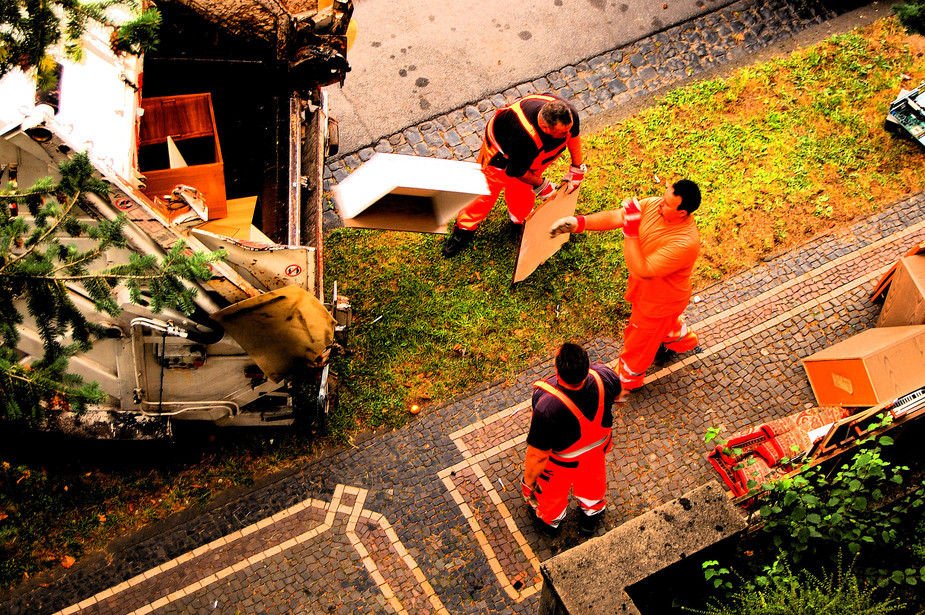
(804, 593)
(912, 15)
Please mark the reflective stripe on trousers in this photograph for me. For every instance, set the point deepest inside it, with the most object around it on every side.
(641, 340)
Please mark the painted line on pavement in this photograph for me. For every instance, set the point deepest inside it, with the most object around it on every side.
(354, 512)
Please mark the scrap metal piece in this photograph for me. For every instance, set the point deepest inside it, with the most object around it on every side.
(187, 196)
(269, 266)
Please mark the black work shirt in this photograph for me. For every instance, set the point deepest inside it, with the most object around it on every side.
(517, 144)
(554, 427)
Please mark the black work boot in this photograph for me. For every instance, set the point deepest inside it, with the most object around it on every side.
(544, 528)
(457, 242)
(587, 524)
(664, 355)
(515, 230)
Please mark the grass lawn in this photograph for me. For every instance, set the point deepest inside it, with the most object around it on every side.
(783, 151)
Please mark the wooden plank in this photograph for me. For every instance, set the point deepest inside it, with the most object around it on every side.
(181, 117)
(209, 179)
(237, 222)
(536, 247)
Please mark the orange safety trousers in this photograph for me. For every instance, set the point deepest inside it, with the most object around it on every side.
(518, 195)
(584, 476)
(641, 340)
(580, 468)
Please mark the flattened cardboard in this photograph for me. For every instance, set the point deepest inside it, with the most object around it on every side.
(872, 367)
(905, 301)
(536, 246)
(408, 193)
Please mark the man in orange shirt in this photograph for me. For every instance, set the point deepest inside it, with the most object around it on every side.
(661, 245)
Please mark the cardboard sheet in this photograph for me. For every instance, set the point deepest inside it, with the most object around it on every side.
(408, 193)
(905, 301)
(536, 246)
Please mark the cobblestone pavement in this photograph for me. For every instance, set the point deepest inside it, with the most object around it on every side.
(428, 518)
(615, 78)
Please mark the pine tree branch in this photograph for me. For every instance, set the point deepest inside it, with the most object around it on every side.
(94, 276)
(41, 239)
(88, 258)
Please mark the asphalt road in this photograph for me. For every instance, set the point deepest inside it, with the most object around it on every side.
(415, 60)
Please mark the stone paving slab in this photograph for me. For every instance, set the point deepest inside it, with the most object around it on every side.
(429, 519)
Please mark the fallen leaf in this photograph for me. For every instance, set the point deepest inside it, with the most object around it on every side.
(739, 37)
(67, 561)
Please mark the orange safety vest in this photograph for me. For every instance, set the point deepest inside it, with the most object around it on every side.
(593, 434)
(490, 148)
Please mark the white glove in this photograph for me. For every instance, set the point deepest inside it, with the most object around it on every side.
(574, 177)
(545, 190)
(568, 224)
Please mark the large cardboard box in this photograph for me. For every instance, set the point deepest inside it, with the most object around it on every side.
(873, 367)
(408, 193)
(905, 301)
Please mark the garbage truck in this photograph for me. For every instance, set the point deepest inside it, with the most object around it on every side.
(218, 139)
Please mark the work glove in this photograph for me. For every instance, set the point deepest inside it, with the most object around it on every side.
(631, 217)
(528, 493)
(545, 190)
(568, 224)
(574, 176)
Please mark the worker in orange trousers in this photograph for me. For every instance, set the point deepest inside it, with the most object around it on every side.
(570, 433)
(661, 245)
(521, 141)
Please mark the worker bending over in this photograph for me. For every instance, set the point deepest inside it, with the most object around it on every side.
(570, 433)
(660, 247)
(520, 142)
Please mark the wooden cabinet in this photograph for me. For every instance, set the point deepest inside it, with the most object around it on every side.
(189, 121)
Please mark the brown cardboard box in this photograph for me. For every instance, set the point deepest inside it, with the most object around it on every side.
(873, 367)
(905, 301)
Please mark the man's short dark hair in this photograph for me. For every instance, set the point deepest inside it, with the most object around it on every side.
(572, 364)
(689, 193)
(556, 113)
